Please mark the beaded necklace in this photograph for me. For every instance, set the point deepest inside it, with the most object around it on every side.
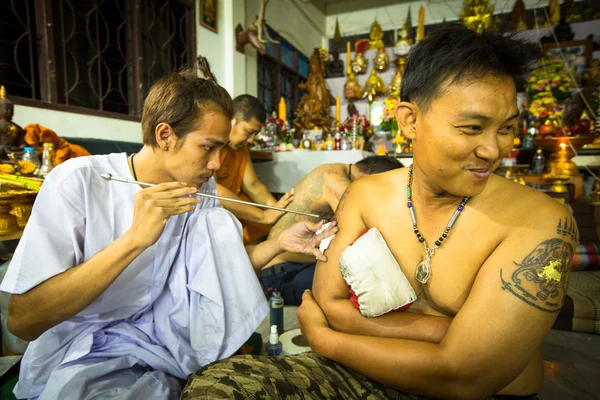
(423, 272)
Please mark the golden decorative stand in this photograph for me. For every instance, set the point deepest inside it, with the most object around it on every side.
(559, 164)
(15, 209)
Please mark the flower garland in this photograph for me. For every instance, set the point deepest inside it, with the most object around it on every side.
(275, 131)
(363, 126)
(548, 86)
(388, 120)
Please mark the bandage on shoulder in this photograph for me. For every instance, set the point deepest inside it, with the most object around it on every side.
(376, 282)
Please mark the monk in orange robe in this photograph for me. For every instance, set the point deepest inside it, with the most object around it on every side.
(237, 178)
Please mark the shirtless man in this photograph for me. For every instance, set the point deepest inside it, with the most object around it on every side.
(319, 192)
(498, 277)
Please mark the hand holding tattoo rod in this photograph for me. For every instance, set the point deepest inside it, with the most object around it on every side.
(109, 177)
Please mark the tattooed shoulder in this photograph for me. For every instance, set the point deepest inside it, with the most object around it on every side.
(540, 280)
(342, 203)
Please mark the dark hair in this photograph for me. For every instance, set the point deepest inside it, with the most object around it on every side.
(456, 52)
(247, 107)
(376, 164)
(180, 99)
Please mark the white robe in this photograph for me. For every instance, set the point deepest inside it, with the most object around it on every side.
(191, 299)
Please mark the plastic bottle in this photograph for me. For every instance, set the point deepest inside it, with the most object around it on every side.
(274, 346)
(276, 311)
(532, 132)
(538, 162)
(47, 160)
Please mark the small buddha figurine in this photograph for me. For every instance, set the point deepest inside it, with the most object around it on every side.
(336, 66)
(396, 82)
(374, 87)
(11, 135)
(404, 43)
(381, 62)
(376, 36)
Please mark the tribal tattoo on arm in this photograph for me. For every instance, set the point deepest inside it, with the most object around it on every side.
(541, 279)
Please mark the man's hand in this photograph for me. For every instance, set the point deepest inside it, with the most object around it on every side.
(311, 320)
(303, 238)
(153, 207)
(271, 216)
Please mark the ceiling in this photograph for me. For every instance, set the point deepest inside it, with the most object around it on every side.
(332, 7)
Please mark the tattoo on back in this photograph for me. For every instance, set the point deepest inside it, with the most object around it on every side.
(342, 203)
(541, 278)
(567, 227)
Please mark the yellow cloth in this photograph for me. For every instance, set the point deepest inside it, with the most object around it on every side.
(231, 175)
(36, 135)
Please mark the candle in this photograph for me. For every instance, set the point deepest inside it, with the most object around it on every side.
(282, 110)
(421, 28)
(337, 109)
(348, 58)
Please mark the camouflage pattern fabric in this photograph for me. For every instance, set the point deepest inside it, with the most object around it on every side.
(303, 376)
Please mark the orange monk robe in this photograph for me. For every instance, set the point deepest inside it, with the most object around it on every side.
(36, 135)
(231, 175)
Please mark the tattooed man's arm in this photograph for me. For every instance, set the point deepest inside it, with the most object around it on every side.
(496, 334)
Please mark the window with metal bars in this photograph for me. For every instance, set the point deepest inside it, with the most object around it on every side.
(279, 73)
(92, 56)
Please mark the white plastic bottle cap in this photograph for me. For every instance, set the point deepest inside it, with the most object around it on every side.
(274, 336)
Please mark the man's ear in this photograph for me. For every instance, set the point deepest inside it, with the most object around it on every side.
(164, 135)
(406, 116)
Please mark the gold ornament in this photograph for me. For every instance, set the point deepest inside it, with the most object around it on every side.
(396, 82)
(404, 43)
(376, 36)
(351, 87)
(360, 63)
(478, 15)
(381, 62)
(374, 87)
(2, 92)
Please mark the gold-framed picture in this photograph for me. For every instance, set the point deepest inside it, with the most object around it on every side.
(208, 14)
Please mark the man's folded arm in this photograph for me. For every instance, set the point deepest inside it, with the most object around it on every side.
(510, 309)
(331, 291)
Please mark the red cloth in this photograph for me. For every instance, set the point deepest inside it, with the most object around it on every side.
(354, 297)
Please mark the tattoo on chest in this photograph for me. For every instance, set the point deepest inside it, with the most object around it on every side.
(541, 278)
(567, 227)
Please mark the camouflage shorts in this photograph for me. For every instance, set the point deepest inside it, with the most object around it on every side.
(303, 376)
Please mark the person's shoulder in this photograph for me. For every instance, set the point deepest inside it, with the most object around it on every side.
(385, 182)
(381, 187)
(81, 166)
(527, 206)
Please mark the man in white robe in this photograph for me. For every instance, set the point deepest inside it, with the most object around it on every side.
(188, 296)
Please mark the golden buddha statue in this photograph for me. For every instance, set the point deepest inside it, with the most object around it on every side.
(12, 137)
(360, 63)
(374, 87)
(376, 36)
(478, 15)
(396, 82)
(381, 62)
(404, 42)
